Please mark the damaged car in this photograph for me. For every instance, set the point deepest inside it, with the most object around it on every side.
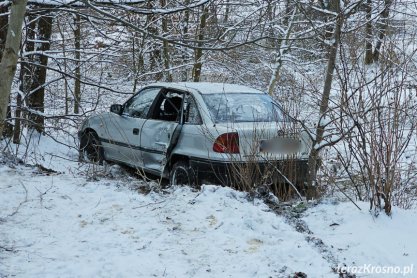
(192, 133)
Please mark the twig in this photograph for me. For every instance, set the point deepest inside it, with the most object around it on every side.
(42, 193)
(46, 170)
(288, 181)
(7, 249)
(21, 203)
(150, 204)
(98, 203)
(350, 199)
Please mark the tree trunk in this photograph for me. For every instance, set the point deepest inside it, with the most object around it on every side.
(64, 54)
(18, 114)
(25, 77)
(281, 52)
(369, 57)
(324, 104)
(166, 56)
(198, 53)
(184, 74)
(77, 82)
(4, 21)
(226, 12)
(37, 94)
(383, 26)
(155, 54)
(10, 56)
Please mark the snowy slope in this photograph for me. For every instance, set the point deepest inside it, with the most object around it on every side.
(73, 228)
(66, 225)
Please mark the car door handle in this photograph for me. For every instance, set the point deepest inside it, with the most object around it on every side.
(136, 131)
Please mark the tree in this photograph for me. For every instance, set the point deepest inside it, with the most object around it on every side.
(77, 45)
(36, 96)
(8, 129)
(10, 56)
(381, 26)
(198, 52)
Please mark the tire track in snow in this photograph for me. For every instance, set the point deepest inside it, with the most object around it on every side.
(292, 216)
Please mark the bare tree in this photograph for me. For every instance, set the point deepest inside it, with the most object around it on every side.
(10, 55)
(198, 52)
(324, 103)
(77, 45)
(36, 96)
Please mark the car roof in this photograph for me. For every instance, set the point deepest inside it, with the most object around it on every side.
(207, 87)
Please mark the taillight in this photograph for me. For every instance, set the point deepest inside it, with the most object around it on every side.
(227, 143)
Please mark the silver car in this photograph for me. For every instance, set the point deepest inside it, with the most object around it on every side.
(192, 133)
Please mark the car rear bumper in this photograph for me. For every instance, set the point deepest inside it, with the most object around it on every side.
(234, 173)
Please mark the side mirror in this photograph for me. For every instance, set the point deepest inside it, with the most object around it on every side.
(116, 108)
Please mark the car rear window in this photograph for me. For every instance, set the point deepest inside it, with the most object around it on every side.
(243, 107)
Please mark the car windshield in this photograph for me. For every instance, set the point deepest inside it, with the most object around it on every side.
(243, 107)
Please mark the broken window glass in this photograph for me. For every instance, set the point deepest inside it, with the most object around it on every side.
(192, 116)
(139, 105)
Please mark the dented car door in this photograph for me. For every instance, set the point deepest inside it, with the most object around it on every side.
(158, 131)
(156, 137)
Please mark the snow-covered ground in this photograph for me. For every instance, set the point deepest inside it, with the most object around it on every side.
(363, 241)
(75, 224)
(69, 228)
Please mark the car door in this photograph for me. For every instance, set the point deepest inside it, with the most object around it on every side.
(126, 128)
(158, 130)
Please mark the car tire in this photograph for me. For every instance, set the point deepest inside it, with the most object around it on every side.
(182, 174)
(91, 149)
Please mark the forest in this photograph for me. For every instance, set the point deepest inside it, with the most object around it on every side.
(344, 69)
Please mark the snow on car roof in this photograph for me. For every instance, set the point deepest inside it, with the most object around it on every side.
(209, 88)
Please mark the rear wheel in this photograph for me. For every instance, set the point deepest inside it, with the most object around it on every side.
(182, 174)
(91, 149)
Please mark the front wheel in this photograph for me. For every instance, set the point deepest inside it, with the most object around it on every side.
(91, 149)
(182, 174)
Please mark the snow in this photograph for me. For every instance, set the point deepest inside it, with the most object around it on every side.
(68, 226)
(99, 221)
(210, 87)
(361, 239)
(73, 228)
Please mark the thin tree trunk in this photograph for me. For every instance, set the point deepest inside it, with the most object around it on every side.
(135, 68)
(166, 55)
(382, 29)
(270, 13)
(324, 104)
(226, 12)
(36, 97)
(64, 54)
(77, 82)
(198, 53)
(281, 52)
(155, 55)
(18, 114)
(10, 56)
(184, 75)
(4, 21)
(25, 77)
(369, 57)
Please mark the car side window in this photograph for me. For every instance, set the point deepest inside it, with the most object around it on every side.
(139, 105)
(192, 115)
